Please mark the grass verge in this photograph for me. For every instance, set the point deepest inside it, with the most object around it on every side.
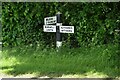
(96, 61)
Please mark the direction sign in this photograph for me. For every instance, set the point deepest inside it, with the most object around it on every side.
(49, 28)
(66, 29)
(54, 24)
(50, 20)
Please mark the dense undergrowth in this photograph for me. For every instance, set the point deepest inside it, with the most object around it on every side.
(94, 23)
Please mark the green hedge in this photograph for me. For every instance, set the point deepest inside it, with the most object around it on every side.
(95, 23)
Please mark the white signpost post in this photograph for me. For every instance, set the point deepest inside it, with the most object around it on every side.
(49, 27)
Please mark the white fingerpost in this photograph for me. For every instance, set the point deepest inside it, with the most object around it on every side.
(58, 28)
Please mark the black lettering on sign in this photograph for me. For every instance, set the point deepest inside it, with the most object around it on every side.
(50, 18)
(66, 27)
(66, 30)
(49, 29)
(51, 21)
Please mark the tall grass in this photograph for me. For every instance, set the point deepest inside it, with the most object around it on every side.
(85, 61)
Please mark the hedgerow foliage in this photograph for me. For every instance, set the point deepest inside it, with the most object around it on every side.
(95, 23)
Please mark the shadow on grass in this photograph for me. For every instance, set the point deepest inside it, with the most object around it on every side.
(84, 61)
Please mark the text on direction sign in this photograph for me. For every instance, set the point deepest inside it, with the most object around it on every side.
(50, 20)
(49, 28)
(66, 29)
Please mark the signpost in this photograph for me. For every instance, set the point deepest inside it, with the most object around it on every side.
(58, 28)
